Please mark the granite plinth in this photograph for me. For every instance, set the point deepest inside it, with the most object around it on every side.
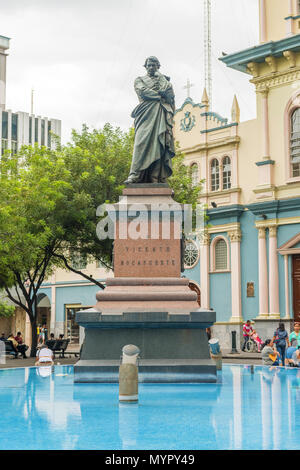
(173, 343)
(147, 303)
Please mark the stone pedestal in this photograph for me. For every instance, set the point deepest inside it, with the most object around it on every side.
(147, 303)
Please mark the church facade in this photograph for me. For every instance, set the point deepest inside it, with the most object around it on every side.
(247, 263)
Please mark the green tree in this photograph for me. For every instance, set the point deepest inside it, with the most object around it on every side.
(6, 310)
(33, 185)
(48, 203)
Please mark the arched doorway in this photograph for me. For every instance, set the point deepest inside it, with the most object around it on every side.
(193, 286)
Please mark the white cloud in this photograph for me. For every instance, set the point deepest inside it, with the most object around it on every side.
(82, 56)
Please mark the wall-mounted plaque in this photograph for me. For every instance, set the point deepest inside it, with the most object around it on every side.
(250, 289)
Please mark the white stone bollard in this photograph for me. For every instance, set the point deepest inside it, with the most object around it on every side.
(128, 375)
(215, 352)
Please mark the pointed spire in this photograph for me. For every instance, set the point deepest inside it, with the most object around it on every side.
(204, 99)
(235, 110)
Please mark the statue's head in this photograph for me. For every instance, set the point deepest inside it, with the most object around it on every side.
(152, 65)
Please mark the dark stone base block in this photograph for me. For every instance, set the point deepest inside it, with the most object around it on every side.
(174, 346)
(150, 371)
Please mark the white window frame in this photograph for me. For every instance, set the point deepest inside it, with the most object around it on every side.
(214, 242)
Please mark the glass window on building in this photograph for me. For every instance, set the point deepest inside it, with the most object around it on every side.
(42, 132)
(14, 147)
(221, 262)
(14, 133)
(71, 330)
(14, 127)
(215, 175)
(36, 129)
(4, 145)
(226, 173)
(295, 143)
(49, 134)
(78, 260)
(30, 130)
(4, 125)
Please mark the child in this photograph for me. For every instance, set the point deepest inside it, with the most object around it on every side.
(257, 339)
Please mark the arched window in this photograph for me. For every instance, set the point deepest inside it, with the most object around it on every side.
(226, 170)
(215, 175)
(295, 143)
(221, 261)
(194, 172)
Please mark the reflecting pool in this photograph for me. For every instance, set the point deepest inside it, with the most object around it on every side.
(256, 408)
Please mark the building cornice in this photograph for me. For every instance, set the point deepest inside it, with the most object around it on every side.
(210, 145)
(234, 210)
(272, 80)
(257, 54)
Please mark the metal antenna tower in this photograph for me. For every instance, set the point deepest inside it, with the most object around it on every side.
(207, 49)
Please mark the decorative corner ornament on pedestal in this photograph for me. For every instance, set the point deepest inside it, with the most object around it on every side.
(188, 122)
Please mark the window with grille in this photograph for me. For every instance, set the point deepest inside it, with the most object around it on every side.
(226, 173)
(78, 260)
(215, 175)
(221, 255)
(295, 143)
(194, 171)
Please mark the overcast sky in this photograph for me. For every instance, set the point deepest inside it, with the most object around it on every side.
(81, 56)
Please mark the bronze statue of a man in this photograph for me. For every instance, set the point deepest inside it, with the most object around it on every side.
(153, 121)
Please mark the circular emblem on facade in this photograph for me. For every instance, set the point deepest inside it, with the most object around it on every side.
(188, 122)
(191, 254)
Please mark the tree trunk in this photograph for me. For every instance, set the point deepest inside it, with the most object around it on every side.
(34, 337)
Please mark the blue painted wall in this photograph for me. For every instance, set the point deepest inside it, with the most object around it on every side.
(249, 264)
(84, 295)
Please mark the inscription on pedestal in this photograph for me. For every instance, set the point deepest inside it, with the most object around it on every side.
(147, 258)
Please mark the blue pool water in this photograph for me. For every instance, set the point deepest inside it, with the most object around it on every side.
(242, 411)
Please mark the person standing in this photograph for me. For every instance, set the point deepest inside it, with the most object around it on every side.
(281, 339)
(247, 331)
(296, 333)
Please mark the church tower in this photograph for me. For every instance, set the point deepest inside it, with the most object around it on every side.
(278, 19)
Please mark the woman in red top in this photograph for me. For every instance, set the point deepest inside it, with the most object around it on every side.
(247, 330)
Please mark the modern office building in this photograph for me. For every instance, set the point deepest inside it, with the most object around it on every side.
(17, 129)
(22, 128)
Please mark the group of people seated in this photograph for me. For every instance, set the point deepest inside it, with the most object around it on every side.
(43, 350)
(283, 349)
(17, 343)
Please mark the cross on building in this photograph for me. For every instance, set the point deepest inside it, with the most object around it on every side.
(188, 87)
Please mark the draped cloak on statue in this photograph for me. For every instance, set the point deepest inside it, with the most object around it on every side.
(153, 121)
